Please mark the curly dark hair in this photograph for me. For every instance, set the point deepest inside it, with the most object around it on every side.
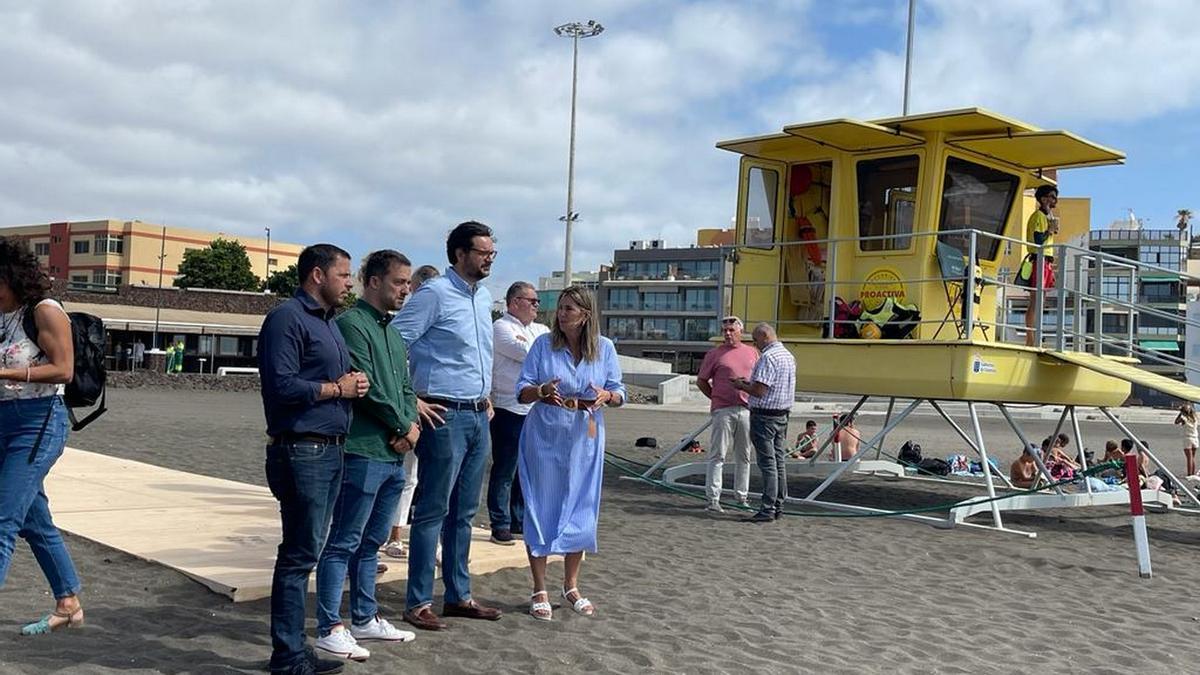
(21, 271)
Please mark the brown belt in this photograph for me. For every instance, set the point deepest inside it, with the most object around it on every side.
(578, 404)
(581, 405)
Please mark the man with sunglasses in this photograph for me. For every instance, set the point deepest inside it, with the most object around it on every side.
(447, 325)
(512, 335)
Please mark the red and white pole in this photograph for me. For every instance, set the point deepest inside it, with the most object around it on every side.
(1140, 539)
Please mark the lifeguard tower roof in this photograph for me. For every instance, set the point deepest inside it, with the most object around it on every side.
(974, 129)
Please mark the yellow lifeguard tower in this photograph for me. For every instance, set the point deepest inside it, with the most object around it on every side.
(915, 214)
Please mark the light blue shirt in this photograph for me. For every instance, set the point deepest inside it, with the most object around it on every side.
(448, 330)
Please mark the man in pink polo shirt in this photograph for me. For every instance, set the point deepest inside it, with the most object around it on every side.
(731, 415)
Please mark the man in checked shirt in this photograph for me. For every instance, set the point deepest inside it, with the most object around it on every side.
(772, 390)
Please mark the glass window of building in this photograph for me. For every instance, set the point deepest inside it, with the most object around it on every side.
(975, 197)
(1114, 323)
(622, 298)
(1163, 256)
(641, 269)
(700, 299)
(108, 243)
(662, 329)
(83, 246)
(699, 330)
(887, 197)
(1150, 324)
(227, 346)
(762, 189)
(41, 248)
(106, 278)
(1115, 287)
(1160, 292)
(622, 328)
(660, 302)
(698, 269)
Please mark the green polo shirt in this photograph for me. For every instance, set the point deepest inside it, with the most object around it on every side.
(390, 405)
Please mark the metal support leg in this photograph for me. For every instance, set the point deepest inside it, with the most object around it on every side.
(887, 418)
(987, 467)
(1144, 448)
(1025, 440)
(963, 435)
(1082, 455)
(1062, 419)
(862, 450)
(836, 428)
(686, 441)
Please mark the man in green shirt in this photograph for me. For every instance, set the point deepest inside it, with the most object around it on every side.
(384, 427)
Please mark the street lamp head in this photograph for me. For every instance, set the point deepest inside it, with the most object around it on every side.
(579, 30)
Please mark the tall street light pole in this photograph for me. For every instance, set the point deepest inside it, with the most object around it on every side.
(162, 255)
(908, 50)
(575, 31)
(267, 276)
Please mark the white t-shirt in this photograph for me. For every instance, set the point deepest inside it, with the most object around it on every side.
(19, 352)
(511, 341)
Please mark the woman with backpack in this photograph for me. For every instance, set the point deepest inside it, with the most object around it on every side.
(33, 425)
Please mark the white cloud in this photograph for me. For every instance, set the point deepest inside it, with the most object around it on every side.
(383, 124)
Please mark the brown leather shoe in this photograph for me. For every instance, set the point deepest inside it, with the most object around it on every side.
(472, 610)
(424, 618)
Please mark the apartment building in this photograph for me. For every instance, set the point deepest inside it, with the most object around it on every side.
(110, 253)
(662, 303)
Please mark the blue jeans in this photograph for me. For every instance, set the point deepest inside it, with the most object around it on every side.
(768, 433)
(362, 520)
(506, 507)
(305, 477)
(24, 508)
(450, 472)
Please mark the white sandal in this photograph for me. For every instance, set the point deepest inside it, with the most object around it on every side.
(542, 611)
(582, 605)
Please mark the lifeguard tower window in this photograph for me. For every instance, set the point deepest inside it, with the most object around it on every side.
(887, 198)
(975, 197)
(762, 190)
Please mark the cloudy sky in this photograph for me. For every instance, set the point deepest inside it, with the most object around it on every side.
(381, 124)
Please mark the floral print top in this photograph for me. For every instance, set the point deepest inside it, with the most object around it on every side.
(17, 351)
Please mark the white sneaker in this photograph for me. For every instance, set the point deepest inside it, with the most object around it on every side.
(341, 643)
(378, 628)
(714, 506)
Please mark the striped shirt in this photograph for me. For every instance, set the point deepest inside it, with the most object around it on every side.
(776, 368)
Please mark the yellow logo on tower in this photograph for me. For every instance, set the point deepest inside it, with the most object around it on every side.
(882, 283)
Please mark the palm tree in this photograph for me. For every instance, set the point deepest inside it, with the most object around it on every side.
(1182, 218)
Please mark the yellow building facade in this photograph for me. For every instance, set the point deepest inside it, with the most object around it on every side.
(116, 252)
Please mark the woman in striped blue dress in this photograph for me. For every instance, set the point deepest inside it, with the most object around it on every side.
(570, 375)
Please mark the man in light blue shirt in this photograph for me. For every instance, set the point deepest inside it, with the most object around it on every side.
(447, 325)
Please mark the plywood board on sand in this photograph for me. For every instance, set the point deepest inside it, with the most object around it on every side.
(219, 532)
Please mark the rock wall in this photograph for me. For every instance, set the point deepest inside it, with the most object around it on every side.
(223, 302)
(182, 381)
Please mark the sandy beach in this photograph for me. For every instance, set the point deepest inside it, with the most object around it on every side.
(676, 589)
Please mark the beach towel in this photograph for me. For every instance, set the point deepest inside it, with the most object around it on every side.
(959, 466)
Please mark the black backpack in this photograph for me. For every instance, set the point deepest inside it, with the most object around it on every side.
(86, 387)
(934, 466)
(910, 453)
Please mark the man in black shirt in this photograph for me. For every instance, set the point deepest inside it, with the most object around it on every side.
(306, 383)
